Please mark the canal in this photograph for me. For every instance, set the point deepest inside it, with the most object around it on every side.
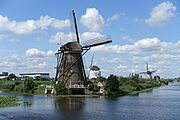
(161, 103)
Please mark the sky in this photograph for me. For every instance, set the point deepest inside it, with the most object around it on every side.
(142, 32)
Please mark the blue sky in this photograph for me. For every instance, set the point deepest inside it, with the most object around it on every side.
(142, 31)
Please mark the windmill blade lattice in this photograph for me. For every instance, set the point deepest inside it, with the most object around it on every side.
(96, 41)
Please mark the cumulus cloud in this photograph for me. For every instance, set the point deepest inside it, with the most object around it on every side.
(161, 14)
(144, 45)
(23, 64)
(50, 53)
(90, 35)
(29, 26)
(148, 44)
(33, 52)
(62, 38)
(161, 56)
(92, 20)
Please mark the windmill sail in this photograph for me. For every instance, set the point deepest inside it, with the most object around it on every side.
(96, 41)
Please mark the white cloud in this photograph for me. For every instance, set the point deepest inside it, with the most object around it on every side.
(161, 14)
(112, 60)
(46, 21)
(128, 38)
(29, 26)
(161, 56)
(148, 44)
(92, 20)
(113, 18)
(50, 53)
(33, 52)
(144, 45)
(90, 35)
(23, 64)
(61, 38)
(121, 67)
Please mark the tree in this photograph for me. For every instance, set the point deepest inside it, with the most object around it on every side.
(11, 76)
(112, 84)
(29, 85)
(101, 79)
(60, 88)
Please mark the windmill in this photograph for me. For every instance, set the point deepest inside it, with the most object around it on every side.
(94, 71)
(148, 72)
(70, 68)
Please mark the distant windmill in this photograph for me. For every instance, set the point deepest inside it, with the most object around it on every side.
(70, 68)
(148, 72)
(94, 71)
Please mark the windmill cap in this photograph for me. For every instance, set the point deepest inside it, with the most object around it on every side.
(72, 46)
(95, 68)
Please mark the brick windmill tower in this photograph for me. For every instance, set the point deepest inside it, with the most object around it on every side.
(70, 68)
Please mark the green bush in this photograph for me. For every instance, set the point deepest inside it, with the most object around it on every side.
(19, 88)
(126, 89)
(29, 85)
(90, 87)
(112, 84)
(60, 88)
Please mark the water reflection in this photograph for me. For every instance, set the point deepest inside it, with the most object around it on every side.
(69, 104)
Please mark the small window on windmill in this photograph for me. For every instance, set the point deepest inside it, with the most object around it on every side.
(71, 70)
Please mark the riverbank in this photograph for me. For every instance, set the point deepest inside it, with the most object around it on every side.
(113, 86)
(144, 90)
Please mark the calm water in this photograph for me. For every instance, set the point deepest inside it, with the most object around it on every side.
(160, 104)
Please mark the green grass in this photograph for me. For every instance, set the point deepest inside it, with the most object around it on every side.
(137, 92)
(7, 82)
(39, 82)
(8, 101)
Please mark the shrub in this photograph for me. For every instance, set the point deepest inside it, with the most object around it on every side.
(126, 89)
(112, 84)
(90, 87)
(19, 87)
(29, 85)
(60, 88)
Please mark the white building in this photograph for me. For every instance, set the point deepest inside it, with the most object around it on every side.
(3, 75)
(35, 75)
(94, 72)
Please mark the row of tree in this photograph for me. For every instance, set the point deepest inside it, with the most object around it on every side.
(114, 85)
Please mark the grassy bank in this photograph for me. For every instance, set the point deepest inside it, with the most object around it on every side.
(117, 85)
(137, 92)
(27, 86)
(8, 101)
(113, 86)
